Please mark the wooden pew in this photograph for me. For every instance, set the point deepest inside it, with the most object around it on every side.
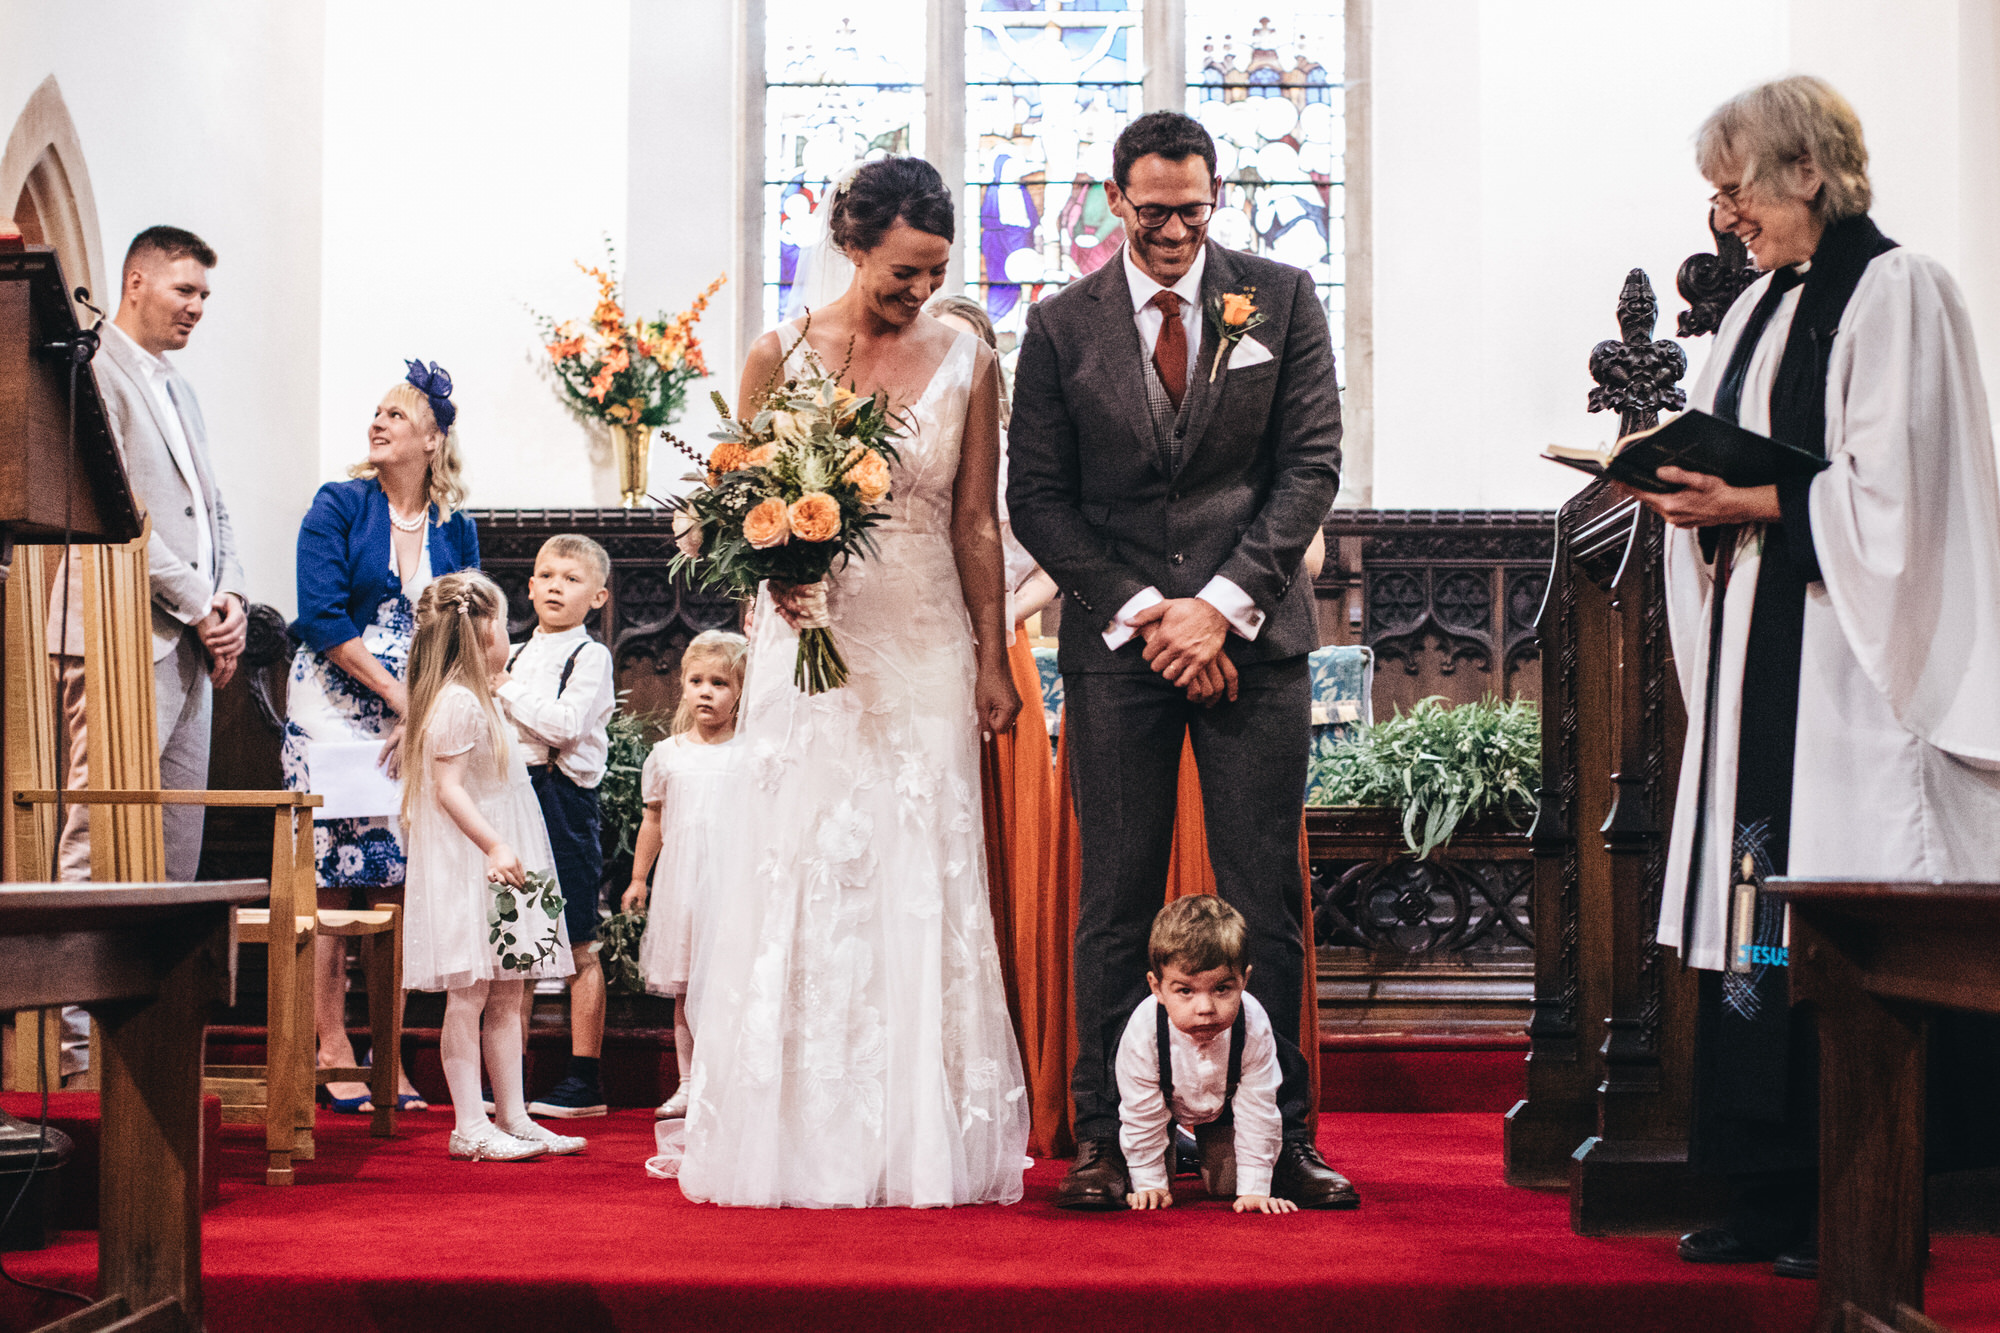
(1875, 959)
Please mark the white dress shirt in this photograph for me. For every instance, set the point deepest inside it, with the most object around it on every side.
(1201, 1078)
(1221, 593)
(158, 371)
(567, 730)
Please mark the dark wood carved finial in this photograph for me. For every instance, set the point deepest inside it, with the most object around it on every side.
(1636, 376)
(1710, 284)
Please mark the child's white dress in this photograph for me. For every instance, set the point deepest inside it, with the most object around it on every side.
(690, 781)
(447, 930)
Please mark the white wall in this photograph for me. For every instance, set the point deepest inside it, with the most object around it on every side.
(1528, 155)
(205, 114)
(680, 215)
(474, 149)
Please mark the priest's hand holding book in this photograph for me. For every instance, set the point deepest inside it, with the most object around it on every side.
(1697, 470)
(1706, 502)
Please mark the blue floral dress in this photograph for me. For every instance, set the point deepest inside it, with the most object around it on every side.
(323, 702)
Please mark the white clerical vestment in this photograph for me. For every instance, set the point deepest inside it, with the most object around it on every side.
(1897, 770)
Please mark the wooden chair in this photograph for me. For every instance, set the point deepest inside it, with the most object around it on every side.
(279, 1093)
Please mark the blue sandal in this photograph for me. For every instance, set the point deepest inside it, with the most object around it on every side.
(403, 1099)
(344, 1105)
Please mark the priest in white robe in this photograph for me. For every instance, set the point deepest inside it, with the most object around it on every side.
(1837, 637)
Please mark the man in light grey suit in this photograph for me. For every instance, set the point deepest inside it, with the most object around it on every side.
(198, 603)
(1170, 458)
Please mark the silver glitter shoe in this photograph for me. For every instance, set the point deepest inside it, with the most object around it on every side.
(558, 1145)
(493, 1144)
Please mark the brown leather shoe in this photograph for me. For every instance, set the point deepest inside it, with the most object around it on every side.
(1303, 1176)
(1096, 1181)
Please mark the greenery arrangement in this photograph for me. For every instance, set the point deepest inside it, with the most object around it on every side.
(503, 916)
(1440, 766)
(618, 933)
(620, 807)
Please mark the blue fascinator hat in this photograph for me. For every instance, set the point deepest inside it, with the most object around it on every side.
(435, 384)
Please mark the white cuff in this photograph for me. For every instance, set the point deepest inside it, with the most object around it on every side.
(1234, 604)
(1121, 629)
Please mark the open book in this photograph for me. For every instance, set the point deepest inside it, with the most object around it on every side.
(1694, 441)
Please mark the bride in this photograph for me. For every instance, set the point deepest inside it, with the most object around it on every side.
(853, 1046)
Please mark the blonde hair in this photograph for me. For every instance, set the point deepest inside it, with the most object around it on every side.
(445, 482)
(716, 645)
(1776, 126)
(1198, 933)
(973, 313)
(454, 617)
(575, 546)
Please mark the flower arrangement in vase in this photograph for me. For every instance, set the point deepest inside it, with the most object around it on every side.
(631, 374)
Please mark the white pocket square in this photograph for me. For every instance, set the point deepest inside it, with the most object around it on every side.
(1249, 352)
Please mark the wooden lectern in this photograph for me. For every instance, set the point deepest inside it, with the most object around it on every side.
(148, 959)
(1611, 1036)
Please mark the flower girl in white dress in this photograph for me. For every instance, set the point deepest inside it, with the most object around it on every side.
(484, 914)
(684, 788)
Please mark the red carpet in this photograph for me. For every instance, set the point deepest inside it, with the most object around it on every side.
(392, 1235)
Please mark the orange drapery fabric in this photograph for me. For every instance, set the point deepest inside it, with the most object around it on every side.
(1035, 914)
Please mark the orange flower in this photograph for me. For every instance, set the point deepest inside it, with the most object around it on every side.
(565, 348)
(815, 516)
(617, 360)
(765, 525)
(870, 476)
(601, 385)
(729, 456)
(1237, 308)
(761, 456)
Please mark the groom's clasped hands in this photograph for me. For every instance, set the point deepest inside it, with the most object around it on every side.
(1184, 642)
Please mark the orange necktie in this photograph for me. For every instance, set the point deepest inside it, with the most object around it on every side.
(1170, 349)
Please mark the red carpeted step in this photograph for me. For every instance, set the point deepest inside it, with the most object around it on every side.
(390, 1235)
(1416, 1072)
(77, 1114)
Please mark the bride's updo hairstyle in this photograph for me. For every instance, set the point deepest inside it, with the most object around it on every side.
(885, 191)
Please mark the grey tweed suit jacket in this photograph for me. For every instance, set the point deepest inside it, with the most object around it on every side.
(181, 591)
(1091, 493)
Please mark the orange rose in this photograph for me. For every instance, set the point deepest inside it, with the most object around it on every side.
(1237, 308)
(728, 457)
(765, 525)
(815, 516)
(870, 476)
(761, 456)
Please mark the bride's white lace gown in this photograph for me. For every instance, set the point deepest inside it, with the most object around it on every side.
(852, 1041)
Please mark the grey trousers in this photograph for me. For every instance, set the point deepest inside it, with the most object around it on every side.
(185, 705)
(1125, 733)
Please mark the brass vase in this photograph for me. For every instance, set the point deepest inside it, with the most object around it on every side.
(634, 446)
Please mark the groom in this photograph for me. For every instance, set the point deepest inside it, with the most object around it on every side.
(1171, 455)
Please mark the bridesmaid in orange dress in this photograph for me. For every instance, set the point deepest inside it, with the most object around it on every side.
(1019, 791)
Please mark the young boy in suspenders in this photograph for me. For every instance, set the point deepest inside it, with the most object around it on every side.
(1199, 1053)
(559, 695)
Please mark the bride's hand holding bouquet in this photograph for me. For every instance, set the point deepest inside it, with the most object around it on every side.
(785, 495)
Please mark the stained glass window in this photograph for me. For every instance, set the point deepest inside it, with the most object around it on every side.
(841, 81)
(1266, 81)
(1049, 85)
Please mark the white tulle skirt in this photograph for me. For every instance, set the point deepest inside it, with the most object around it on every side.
(852, 1041)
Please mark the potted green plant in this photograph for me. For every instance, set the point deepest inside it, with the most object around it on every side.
(1442, 768)
(622, 808)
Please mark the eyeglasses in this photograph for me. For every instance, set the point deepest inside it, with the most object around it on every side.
(1730, 197)
(1154, 216)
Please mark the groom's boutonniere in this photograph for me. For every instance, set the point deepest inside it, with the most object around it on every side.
(1230, 316)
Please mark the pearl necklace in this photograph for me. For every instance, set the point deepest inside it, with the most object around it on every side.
(413, 524)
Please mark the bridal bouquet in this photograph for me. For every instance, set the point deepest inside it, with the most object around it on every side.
(784, 496)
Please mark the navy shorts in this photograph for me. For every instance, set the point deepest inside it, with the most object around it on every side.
(570, 812)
